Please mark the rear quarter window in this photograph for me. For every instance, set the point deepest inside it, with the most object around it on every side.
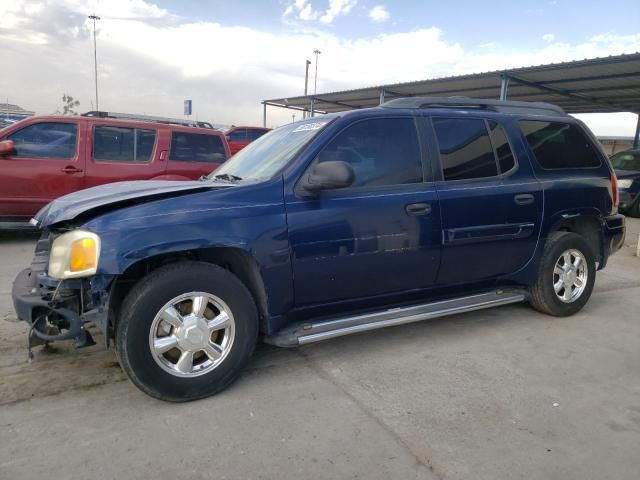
(197, 147)
(123, 144)
(558, 145)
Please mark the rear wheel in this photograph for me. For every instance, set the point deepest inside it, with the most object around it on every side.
(566, 275)
(186, 330)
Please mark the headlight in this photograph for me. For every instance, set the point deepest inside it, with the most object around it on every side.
(74, 254)
(626, 183)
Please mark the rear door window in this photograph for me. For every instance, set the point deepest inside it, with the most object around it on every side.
(558, 145)
(465, 148)
(123, 144)
(46, 140)
(196, 147)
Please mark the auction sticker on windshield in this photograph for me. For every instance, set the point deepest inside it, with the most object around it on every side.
(310, 126)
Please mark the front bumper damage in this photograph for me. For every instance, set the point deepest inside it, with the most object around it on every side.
(59, 309)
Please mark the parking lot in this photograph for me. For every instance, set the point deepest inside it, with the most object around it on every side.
(503, 393)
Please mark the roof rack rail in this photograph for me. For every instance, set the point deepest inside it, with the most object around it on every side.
(503, 106)
(147, 118)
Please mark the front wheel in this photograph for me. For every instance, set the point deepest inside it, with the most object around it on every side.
(566, 275)
(186, 331)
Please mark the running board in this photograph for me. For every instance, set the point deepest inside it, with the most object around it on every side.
(311, 332)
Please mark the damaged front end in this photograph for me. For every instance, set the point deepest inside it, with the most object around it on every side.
(59, 309)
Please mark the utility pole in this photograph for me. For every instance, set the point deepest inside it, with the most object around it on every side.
(306, 83)
(94, 17)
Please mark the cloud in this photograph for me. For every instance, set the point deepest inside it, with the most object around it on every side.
(379, 14)
(304, 11)
(337, 8)
(149, 60)
(548, 37)
(300, 10)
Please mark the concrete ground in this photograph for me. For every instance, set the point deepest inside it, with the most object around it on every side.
(503, 393)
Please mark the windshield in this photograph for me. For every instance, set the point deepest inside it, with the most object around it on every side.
(626, 160)
(264, 157)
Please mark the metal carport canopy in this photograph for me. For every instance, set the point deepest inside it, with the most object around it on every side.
(608, 84)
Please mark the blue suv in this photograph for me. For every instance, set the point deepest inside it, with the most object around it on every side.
(419, 208)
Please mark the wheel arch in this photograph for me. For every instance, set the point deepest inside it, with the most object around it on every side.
(588, 226)
(236, 260)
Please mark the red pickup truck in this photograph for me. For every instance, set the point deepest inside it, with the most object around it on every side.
(45, 157)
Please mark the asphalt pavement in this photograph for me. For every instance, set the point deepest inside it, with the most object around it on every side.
(506, 393)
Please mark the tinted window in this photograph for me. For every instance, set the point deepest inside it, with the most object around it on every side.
(238, 136)
(626, 160)
(559, 145)
(255, 134)
(505, 156)
(196, 147)
(465, 149)
(46, 140)
(383, 151)
(121, 144)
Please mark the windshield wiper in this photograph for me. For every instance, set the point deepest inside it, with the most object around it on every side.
(228, 176)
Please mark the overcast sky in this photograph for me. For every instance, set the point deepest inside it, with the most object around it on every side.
(229, 55)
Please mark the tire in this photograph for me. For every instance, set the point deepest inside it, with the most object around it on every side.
(163, 311)
(543, 295)
(634, 211)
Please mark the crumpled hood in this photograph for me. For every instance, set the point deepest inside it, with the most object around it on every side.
(70, 206)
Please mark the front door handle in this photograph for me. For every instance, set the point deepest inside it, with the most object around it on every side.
(71, 169)
(524, 199)
(418, 209)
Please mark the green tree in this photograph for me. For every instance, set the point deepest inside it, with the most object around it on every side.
(69, 105)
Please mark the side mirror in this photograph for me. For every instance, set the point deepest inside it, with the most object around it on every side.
(328, 175)
(7, 147)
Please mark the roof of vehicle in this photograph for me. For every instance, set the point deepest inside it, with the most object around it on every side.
(502, 106)
(236, 127)
(122, 122)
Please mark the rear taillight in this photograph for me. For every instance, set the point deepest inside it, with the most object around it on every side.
(614, 190)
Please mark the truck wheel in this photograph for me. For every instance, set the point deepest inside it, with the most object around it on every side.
(566, 275)
(186, 331)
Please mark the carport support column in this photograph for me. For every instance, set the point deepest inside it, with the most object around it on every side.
(264, 114)
(504, 86)
(313, 102)
(381, 96)
(636, 139)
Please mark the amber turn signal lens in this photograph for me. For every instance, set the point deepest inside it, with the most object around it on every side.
(84, 253)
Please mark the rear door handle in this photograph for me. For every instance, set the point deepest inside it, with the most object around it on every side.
(524, 199)
(71, 169)
(418, 209)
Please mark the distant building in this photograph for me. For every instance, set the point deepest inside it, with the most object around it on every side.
(14, 112)
(613, 145)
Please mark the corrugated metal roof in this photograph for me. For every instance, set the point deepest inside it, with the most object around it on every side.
(607, 84)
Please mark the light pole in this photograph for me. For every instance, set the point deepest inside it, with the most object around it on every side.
(94, 17)
(306, 83)
(315, 81)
